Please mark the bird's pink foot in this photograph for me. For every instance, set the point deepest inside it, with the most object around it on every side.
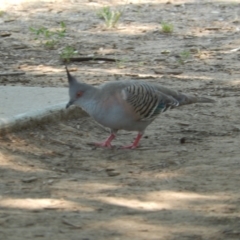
(132, 146)
(107, 142)
(135, 143)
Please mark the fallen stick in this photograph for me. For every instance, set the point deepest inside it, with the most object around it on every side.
(82, 59)
(11, 73)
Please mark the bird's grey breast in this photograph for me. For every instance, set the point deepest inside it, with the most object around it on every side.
(110, 110)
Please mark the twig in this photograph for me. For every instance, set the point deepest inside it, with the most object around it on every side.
(11, 73)
(70, 224)
(173, 72)
(82, 59)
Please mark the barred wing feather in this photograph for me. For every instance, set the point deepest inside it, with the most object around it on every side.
(147, 101)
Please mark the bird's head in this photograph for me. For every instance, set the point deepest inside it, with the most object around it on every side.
(76, 90)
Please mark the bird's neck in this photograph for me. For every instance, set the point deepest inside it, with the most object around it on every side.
(89, 101)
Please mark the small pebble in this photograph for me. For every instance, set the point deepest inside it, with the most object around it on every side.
(182, 140)
(29, 180)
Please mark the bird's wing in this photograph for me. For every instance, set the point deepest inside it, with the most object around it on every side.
(146, 101)
(182, 98)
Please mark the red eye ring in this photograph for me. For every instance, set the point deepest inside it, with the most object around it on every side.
(79, 94)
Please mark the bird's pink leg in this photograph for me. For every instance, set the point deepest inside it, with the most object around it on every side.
(107, 142)
(135, 143)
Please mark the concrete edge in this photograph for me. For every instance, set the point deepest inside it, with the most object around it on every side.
(37, 118)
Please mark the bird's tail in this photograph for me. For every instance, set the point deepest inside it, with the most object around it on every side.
(189, 99)
(182, 98)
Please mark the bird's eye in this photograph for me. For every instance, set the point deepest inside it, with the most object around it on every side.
(79, 94)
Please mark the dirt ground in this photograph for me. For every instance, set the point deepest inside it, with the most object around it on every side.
(183, 181)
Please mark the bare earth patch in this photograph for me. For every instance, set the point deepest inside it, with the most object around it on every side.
(183, 182)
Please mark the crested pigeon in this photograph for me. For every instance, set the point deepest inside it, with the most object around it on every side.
(126, 105)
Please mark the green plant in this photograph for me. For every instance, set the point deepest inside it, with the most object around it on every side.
(50, 44)
(111, 17)
(167, 27)
(67, 53)
(47, 37)
(1, 13)
(166, 51)
(184, 55)
(121, 63)
(141, 64)
(61, 33)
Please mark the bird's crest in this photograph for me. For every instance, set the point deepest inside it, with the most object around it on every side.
(71, 79)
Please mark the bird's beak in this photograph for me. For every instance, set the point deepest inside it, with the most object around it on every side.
(69, 104)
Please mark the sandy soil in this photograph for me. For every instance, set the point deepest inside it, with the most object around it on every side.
(183, 182)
